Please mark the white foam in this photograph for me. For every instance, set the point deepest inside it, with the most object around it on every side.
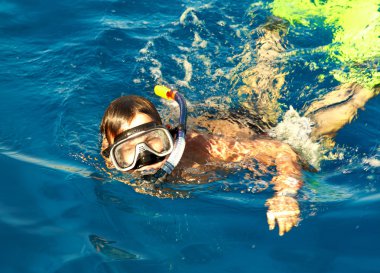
(182, 83)
(124, 24)
(183, 48)
(206, 62)
(189, 12)
(373, 162)
(296, 131)
(184, 15)
(198, 41)
(145, 50)
(188, 67)
(221, 23)
(155, 70)
(218, 73)
(188, 70)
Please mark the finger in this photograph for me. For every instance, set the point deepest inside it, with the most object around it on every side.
(281, 226)
(271, 220)
(288, 225)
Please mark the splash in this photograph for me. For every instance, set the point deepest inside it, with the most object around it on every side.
(188, 71)
(296, 131)
(189, 12)
(373, 162)
(206, 62)
(198, 41)
(355, 26)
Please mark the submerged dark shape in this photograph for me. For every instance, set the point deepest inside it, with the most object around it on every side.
(103, 246)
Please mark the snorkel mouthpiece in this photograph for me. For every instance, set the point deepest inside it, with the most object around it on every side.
(147, 158)
(180, 143)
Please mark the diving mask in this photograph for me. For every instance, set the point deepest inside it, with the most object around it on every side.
(140, 146)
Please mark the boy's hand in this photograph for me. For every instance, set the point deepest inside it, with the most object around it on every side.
(285, 211)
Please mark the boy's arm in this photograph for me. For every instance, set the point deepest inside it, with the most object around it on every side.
(268, 152)
(283, 207)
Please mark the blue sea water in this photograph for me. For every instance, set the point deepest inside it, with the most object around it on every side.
(63, 62)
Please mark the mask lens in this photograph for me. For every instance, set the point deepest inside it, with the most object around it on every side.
(157, 141)
(124, 155)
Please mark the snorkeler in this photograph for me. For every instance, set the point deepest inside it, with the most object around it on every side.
(135, 141)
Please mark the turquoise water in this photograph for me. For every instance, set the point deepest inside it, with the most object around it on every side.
(62, 63)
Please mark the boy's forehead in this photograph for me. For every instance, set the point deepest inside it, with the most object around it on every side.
(140, 118)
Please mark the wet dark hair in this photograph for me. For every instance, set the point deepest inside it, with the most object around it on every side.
(125, 109)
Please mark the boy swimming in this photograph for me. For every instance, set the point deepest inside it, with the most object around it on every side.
(262, 82)
(135, 141)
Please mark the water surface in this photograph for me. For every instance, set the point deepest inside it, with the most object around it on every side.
(62, 63)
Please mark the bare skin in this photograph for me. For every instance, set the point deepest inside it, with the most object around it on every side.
(337, 109)
(283, 208)
(329, 114)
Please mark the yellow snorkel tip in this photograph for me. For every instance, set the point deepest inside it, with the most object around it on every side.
(164, 92)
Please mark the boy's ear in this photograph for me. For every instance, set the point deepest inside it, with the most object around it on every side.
(105, 143)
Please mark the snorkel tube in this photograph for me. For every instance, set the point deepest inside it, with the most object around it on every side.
(180, 143)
